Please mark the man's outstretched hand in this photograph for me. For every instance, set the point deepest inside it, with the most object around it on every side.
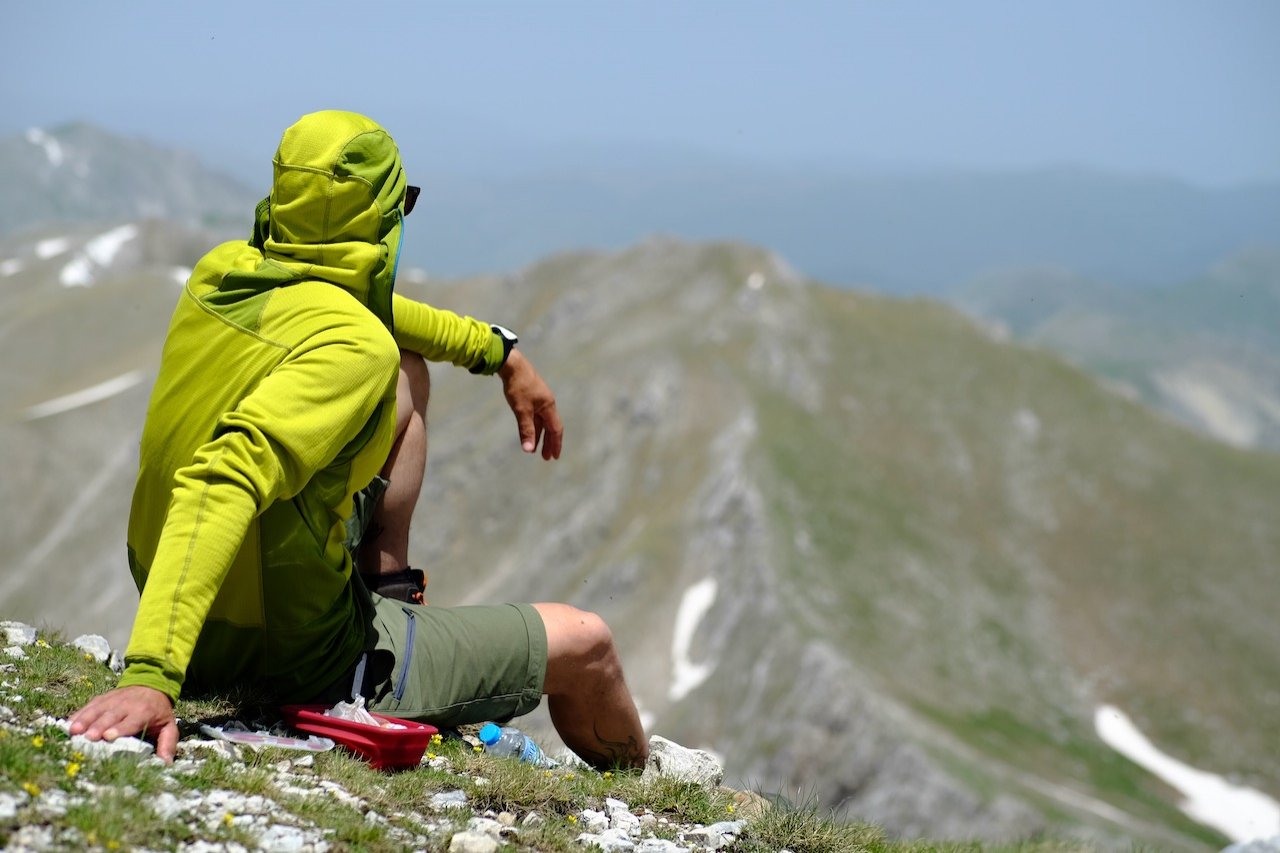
(533, 404)
(134, 710)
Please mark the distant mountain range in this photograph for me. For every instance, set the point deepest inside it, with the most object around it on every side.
(904, 233)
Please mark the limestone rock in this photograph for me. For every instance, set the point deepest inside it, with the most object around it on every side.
(670, 759)
(93, 644)
(18, 633)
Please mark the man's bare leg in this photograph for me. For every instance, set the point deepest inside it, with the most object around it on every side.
(587, 696)
(387, 550)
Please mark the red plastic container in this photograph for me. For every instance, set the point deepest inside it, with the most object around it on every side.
(385, 749)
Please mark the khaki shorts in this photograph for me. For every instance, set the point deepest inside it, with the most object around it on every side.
(454, 665)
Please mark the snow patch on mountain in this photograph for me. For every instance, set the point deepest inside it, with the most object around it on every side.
(687, 675)
(97, 254)
(1211, 408)
(92, 394)
(52, 246)
(1240, 813)
(52, 148)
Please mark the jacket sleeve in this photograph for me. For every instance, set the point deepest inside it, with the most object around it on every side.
(290, 426)
(440, 335)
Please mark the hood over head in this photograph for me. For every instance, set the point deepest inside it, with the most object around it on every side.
(335, 212)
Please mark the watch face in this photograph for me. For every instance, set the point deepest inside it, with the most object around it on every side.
(505, 332)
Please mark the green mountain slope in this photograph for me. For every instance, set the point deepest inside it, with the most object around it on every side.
(854, 544)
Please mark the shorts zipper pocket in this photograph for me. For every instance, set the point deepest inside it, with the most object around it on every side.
(408, 655)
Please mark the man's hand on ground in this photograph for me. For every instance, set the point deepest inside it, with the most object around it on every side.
(533, 404)
(134, 710)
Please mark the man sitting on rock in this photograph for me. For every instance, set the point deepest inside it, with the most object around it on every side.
(285, 446)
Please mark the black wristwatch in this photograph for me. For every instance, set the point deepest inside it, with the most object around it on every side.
(509, 340)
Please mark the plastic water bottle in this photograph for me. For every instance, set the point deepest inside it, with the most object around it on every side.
(510, 742)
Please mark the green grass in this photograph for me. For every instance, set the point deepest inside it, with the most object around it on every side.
(109, 805)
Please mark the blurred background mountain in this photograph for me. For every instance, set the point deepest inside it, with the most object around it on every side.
(872, 549)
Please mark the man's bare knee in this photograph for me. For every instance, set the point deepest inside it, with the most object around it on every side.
(579, 644)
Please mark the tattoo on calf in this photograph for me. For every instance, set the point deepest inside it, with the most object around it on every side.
(614, 753)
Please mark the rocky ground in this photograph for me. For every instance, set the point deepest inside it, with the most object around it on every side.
(271, 814)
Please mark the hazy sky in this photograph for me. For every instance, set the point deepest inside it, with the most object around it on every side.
(1190, 89)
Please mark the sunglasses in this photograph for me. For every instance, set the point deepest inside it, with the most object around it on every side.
(410, 198)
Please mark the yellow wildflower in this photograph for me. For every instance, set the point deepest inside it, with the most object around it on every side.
(431, 756)
(42, 644)
(38, 742)
(31, 788)
(730, 809)
(477, 749)
(113, 845)
(77, 756)
(608, 774)
(227, 818)
(572, 819)
(436, 739)
(72, 769)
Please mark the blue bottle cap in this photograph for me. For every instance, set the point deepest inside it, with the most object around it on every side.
(489, 734)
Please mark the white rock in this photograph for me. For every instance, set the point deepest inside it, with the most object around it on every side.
(448, 800)
(670, 759)
(282, 839)
(203, 846)
(486, 826)
(105, 749)
(659, 845)
(611, 841)
(10, 803)
(167, 806)
(53, 803)
(93, 644)
(32, 837)
(594, 821)
(18, 633)
(240, 804)
(341, 793)
(716, 835)
(304, 761)
(472, 842)
(620, 817)
(15, 652)
(533, 819)
(45, 720)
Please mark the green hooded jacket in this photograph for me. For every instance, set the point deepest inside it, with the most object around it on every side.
(274, 404)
